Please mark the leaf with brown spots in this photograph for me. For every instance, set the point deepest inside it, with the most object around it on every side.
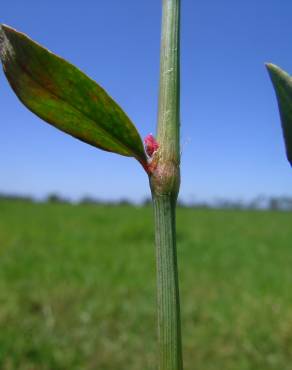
(65, 97)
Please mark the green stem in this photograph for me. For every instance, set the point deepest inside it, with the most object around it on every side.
(169, 89)
(164, 181)
(168, 310)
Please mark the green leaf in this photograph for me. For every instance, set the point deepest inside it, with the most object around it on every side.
(282, 82)
(65, 97)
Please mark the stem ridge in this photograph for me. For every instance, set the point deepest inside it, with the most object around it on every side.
(168, 307)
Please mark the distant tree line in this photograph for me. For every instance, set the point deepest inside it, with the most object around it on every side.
(280, 203)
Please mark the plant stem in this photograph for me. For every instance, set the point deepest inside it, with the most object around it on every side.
(168, 310)
(169, 91)
(164, 182)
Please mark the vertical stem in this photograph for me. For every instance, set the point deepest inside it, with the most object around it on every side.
(168, 310)
(169, 89)
(164, 182)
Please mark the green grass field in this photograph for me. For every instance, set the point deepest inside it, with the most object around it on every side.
(77, 288)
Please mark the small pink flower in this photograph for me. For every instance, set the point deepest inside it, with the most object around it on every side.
(151, 145)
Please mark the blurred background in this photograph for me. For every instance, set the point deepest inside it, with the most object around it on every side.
(77, 268)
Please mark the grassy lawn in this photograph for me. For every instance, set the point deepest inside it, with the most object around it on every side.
(77, 288)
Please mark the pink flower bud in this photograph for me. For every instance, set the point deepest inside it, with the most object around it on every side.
(151, 145)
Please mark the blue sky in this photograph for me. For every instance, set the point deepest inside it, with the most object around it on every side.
(231, 139)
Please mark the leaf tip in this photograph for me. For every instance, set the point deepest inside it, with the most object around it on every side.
(2, 38)
(6, 50)
(5, 28)
(269, 65)
(276, 73)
